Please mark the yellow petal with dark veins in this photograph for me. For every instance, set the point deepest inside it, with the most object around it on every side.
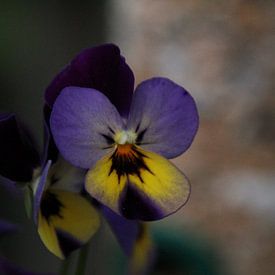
(66, 221)
(138, 184)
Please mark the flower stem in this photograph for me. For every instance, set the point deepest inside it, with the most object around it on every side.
(65, 267)
(82, 260)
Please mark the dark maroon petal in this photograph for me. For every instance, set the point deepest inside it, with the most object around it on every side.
(101, 68)
(126, 231)
(18, 154)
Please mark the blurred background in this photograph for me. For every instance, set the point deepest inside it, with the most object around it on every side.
(220, 51)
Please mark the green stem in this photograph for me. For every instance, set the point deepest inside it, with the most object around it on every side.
(82, 260)
(65, 267)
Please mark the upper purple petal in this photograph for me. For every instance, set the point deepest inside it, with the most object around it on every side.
(126, 231)
(101, 68)
(165, 117)
(83, 121)
(18, 154)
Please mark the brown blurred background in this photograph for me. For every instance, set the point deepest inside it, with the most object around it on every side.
(222, 52)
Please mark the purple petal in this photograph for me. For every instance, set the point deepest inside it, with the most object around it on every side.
(126, 231)
(7, 227)
(136, 205)
(67, 242)
(8, 268)
(38, 192)
(101, 68)
(50, 151)
(18, 155)
(83, 122)
(165, 117)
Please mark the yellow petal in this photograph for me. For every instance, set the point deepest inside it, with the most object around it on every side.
(143, 254)
(48, 236)
(138, 184)
(66, 221)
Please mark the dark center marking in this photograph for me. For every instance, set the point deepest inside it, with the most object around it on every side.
(50, 205)
(128, 160)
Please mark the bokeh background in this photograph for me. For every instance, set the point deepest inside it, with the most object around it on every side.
(220, 51)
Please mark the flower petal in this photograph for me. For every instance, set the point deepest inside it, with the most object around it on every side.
(101, 68)
(144, 253)
(126, 231)
(39, 187)
(165, 117)
(67, 177)
(66, 221)
(150, 189)
(83, 122)
(18, 155)
(60, 175)
(50, 150)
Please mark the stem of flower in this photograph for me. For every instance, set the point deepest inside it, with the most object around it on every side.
(82, 260)
(65, 267)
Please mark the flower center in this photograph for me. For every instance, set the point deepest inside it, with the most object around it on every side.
(125, 137)
(128, 160)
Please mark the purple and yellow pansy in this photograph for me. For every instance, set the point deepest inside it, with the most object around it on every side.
(103, 139)
(127, 156)
(65, 219)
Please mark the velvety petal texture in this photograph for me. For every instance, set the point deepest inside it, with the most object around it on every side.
(101, 68)
(66, 221)
(156, 189)
(18, 154)
(165, 117)
(83, 122)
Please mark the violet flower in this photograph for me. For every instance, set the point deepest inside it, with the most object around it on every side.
(65, 220)
(126, 156)
(101, 67)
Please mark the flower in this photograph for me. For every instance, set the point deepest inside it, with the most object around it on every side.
(50, 177)
(101, 68)
(126, 156)
(65, 219)
(135, 240)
